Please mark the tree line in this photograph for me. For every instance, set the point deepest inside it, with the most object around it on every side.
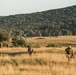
(54, 22)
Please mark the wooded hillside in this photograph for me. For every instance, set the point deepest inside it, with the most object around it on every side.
(47, 23)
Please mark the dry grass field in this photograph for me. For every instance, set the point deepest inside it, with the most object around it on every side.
(44, 61)
(62, 40)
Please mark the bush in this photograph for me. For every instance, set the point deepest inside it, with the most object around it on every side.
(3, 37)
(37, 45)
(29, 44)
(5, 44)
(53, 45)
(19, 41)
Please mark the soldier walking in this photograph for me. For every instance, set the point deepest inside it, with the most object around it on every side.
(69, 53)
(30, 50)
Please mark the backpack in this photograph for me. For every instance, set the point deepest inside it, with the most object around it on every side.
(67, 50)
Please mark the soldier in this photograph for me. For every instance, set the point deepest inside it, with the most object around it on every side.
(69, 53)
(30, 51)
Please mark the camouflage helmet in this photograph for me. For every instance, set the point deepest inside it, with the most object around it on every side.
(69, 46)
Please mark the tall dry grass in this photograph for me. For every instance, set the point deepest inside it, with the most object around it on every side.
(62, 40)
(45, 61)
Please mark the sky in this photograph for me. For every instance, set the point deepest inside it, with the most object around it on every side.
(12, 7)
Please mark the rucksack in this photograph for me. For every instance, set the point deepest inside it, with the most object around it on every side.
(67, 50)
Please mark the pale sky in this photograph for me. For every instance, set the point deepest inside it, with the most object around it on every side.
(11, 7)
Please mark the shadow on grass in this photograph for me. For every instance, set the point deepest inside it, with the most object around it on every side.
(50, 51)
(13, 53)
(40, 38)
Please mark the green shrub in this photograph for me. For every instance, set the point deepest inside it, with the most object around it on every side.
(36, 45)
(29, 44)
(53, 45)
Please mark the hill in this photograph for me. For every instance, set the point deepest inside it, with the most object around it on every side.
(46, 23)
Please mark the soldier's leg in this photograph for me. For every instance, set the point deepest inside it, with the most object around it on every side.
(72, 57)
(68, 58)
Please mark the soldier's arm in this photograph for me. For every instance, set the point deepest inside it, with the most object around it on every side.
(72, 52)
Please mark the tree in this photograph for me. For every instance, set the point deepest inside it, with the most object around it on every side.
(3, 37)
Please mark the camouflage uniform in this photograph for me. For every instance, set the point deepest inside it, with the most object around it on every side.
(30, 51)
(69, 52)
